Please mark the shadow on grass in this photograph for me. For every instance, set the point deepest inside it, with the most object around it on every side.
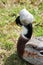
(15, 60)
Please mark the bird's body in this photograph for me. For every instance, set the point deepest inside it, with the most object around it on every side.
(30, 50)
(33, 51)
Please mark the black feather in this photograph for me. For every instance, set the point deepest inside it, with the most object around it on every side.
(30, 30)
(18, 21)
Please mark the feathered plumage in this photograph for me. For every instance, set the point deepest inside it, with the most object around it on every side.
(29, 49)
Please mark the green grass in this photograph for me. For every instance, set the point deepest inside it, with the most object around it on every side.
(9, 30)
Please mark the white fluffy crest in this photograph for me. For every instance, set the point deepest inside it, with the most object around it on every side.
(26, 17)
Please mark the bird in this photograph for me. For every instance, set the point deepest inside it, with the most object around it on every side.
(26, 49)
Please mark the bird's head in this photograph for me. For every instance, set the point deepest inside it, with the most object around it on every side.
(24, 18)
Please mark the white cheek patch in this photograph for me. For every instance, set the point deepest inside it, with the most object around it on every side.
(24, 31)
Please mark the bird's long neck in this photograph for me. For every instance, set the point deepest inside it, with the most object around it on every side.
(24, 38)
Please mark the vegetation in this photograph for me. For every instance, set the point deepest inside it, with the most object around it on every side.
(9, 31)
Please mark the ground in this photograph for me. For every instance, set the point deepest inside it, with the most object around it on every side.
(9, 31)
